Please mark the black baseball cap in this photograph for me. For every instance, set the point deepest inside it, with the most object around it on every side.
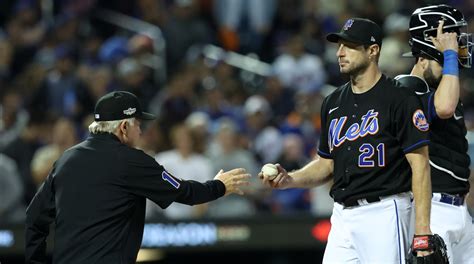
(119, 105)
(358, 30)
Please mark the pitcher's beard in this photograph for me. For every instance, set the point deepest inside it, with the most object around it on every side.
(357, 69)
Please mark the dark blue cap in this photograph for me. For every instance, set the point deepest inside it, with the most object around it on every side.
(360, 31)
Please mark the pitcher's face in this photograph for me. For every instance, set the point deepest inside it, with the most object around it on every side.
(352, 57)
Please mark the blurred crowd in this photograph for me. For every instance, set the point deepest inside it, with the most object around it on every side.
(57, 57)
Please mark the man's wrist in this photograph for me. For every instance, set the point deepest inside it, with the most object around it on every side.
(450, 64)
(422, 229)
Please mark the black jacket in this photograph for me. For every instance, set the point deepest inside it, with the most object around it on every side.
(95, 195)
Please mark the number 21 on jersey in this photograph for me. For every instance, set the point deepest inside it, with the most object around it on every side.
(368, 151)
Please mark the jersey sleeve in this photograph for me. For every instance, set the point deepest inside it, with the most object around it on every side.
(323, 145)
(145, 177)
(412, 126)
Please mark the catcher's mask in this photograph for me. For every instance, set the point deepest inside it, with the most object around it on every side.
(423, 25)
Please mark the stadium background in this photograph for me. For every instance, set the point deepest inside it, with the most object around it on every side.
(235, 83)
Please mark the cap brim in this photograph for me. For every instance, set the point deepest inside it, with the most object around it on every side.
(335, 37)
(146, 116)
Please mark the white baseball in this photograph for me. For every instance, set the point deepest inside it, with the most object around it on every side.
(270, 171)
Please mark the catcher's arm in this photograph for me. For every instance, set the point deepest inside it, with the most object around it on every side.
(446, 96)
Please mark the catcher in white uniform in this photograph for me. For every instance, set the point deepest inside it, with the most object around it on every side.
(440, 48)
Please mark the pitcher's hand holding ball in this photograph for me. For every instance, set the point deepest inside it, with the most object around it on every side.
(275, 176)
(270, 171)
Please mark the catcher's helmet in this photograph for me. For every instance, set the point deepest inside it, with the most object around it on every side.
(424, 23)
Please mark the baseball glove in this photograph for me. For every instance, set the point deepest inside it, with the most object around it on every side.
(428, 243)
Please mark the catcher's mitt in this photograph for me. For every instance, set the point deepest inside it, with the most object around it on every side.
(428, 243)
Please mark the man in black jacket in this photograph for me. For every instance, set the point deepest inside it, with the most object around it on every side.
(96, 191)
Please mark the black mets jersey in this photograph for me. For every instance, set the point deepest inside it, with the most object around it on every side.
(448, 144)
(367, 135)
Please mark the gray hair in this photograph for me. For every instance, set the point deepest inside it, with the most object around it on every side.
(107, 126)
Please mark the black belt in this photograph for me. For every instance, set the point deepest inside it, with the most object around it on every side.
(356, 202)
(453, 199)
